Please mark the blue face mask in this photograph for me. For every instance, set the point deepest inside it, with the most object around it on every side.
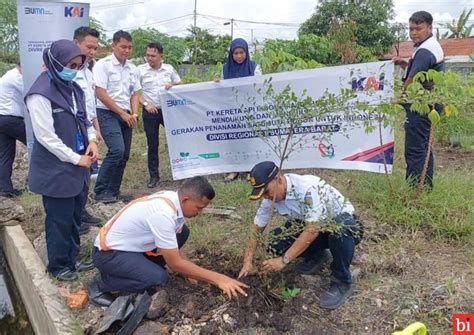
(67, 74)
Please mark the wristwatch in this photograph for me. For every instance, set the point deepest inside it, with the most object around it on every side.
(285, 259)
(145, 104)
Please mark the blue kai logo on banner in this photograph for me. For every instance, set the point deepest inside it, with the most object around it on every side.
(73, 11)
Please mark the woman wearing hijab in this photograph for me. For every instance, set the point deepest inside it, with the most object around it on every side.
(239, 65)
(63, 151)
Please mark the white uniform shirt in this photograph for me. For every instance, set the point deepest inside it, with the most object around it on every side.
(308, 198)
(119, 80)
(85, 79)
(147, 225)
(42, 122)
(153, 80)
(11, 93)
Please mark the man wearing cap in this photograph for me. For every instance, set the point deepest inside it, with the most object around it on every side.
(310, 204)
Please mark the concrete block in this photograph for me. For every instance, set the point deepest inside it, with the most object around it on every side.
(46, 310)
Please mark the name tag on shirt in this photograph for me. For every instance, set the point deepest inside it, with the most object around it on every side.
(79, 142)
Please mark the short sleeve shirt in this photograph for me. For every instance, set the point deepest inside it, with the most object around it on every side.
(308, 198)
(119, 80)
(152, 80)
(147, 225)
(11, 93)
(85, 79)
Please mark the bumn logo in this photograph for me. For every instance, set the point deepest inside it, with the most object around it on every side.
(73, 11)
(177, 102)
(463, 324)
(34, 11)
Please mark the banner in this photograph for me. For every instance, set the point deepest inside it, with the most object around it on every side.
(207, 132)
(40, 24)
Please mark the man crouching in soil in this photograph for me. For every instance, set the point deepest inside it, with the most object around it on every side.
(132, 249)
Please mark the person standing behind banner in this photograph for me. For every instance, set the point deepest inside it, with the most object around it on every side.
(63, 151)
(87, 39)
(239, 65)
(117, 93)
(153, 76)
(427, 55)
(12, 126)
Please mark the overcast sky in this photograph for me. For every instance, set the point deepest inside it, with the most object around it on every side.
(174, 16)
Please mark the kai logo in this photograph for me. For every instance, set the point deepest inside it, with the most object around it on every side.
(368, 83)
(73, 11)
(326, 151)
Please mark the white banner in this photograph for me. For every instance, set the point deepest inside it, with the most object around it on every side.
(206, 130)
(40, 24)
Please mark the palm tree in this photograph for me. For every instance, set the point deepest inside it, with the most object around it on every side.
(459, 29)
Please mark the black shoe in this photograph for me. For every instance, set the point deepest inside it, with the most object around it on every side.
(87, 217)
(10, 194)
(84, 266)
(66, 275)
(97, 297)
(153, 182)
(125, 198)
(336, 295)
(105, 198)
(313, 265)
(84, 228)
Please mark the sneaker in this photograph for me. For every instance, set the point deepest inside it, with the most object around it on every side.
(153, 182)
(66, 275)
(84, 228)
(84, 266)
(311, 266)
(87, 217)
(105, 198)
(336, 295)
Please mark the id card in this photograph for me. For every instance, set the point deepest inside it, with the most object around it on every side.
(79, 142)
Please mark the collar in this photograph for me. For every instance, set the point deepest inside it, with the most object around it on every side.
(426, 39)
(115, 61)
(179, 211)
(148, 67)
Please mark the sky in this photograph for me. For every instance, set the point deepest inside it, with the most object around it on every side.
(174, 16)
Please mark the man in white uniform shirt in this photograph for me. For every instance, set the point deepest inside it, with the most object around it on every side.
(154, 75)
(310, 204)
(117, 90)
(133, 248)
(87, 39)
(12, 126)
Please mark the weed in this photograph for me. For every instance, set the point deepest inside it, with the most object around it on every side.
(288, 293)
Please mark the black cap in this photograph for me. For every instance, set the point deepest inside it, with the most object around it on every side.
(260, 176)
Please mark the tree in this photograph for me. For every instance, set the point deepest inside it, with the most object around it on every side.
(205, 48)
(459, 29)
(97, 25)
(371, 17)
(8, 32)
(174, 47)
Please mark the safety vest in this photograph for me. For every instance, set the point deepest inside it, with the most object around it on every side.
(106, 228)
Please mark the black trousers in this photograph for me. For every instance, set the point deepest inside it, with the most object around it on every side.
(417, 133)
(12, 129)
(151, 123)
(340, 244)
(62, 223)
(124, 271)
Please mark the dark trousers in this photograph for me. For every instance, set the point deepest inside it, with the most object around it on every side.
(12, 129)
(340, 244)
(417, 133)
(118, 138)
(151, 123)
(133, 272)
(63, 219)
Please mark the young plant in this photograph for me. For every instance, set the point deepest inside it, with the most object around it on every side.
(288, 293)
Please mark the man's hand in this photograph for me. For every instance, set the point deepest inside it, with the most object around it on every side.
(92, 151)
(168, 86)
(273, 265)
(130, 120)
(399, 61)
(85, 161)
(99, 137)
(247, 268)
(150, 108)
(230, 286)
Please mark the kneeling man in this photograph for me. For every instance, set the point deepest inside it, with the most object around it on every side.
(133, 248)
(310, 204)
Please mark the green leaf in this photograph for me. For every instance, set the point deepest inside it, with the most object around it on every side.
(434, 117)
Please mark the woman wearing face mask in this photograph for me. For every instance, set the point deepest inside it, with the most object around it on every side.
(239, 65)
(63, 151)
